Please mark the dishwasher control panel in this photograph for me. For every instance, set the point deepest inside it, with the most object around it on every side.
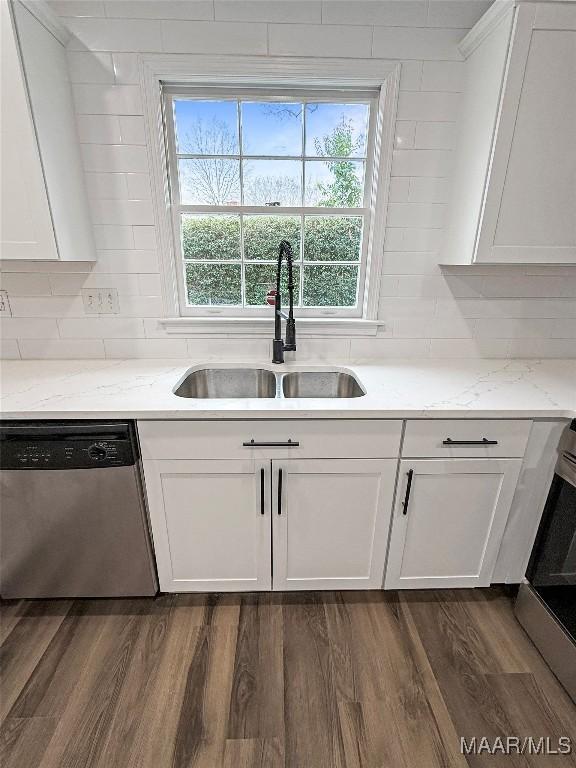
(66, 449)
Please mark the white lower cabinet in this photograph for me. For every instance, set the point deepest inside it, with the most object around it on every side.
(448, 521)
(211, 524)
(330, 522)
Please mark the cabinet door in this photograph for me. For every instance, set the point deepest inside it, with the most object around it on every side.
(210, 524)
(529, 214)
(448, 525)
(26, 223)
(330, 522)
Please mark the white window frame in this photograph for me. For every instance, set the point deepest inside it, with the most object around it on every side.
(159, 71)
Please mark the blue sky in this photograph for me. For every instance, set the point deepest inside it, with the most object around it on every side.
(269, 128)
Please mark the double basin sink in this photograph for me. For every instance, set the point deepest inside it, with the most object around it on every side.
(209, 383)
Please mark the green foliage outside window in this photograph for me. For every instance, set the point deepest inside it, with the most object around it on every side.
(217, 237)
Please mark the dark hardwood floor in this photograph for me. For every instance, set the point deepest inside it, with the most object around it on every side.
(302, 680)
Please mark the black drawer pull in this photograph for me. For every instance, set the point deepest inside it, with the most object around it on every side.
(286, 444)
(410, 475)
(484, 441)
(279, 491)
(262, 476)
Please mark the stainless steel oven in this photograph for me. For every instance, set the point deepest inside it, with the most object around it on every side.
(546, 605)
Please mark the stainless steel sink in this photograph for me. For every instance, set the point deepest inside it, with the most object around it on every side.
(228, 382)
(321, 384)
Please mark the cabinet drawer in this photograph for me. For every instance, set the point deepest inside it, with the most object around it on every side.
(340, 438)
(465, 438)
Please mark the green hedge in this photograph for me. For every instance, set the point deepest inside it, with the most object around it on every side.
(217, 237)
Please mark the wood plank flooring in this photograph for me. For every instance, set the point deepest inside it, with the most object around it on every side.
(298, 680)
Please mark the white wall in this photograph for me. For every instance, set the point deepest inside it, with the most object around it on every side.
(458, 312)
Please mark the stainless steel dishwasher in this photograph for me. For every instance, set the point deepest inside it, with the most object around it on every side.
(73, 519)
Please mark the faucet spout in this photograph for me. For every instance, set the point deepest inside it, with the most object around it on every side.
(278, 345)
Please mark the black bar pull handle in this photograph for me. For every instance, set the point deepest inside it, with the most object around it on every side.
(285, 444)
(410, 475)
(280, 491)
(484, 441)
(262, 479)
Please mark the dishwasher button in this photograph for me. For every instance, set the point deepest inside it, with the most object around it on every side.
(97, 453)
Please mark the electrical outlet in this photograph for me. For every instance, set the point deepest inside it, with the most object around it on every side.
(5, 304)
(100, 301)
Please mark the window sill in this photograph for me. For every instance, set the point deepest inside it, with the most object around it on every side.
(264, 327)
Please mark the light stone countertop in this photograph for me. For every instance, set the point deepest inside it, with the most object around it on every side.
(142, 389)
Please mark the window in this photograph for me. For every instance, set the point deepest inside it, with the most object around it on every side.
(250, 168)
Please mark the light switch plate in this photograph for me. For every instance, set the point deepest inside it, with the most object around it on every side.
(100, 301)
(5, 308)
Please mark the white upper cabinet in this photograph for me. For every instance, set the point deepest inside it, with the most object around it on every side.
(44, 212)
(514, 197)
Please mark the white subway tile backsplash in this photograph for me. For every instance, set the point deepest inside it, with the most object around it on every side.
(126, 68)
(547, 348)
(455, 348)
(160, 9)
(428, 190)
(395, 306)
(90, 67)
(141, 306)
(412, 239)
(25, 284)
(443, 76)
(405, 133)
(132, 129)
(114, 158)
(93, 99)
(101, 328)
(114, 237)
(463, 15)
(28, 328)
(410, 75)
(319, 40)
(144, 237)
(431, 106)
(114, 35)
(416, 215)
(421, 162)
(434, 136)
(61, 349)
(47, 306)
(362, 349)
(131, 261)
(398, 191)
(526, 328)
(229, 349)
(122, 211)
(428, 310)
(150, 284)
(147, 348)
(78, 7)
(9, 349)
(138, 186)
(563, 329)
(71, 285)
(406, 263)
(388, 13)
(98, 129)
(279, 11)
(214, 37)
(432, 328)
(507, 308)
(107, 185)
(416, 43)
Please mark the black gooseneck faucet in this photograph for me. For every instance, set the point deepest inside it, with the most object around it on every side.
(278, 345)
